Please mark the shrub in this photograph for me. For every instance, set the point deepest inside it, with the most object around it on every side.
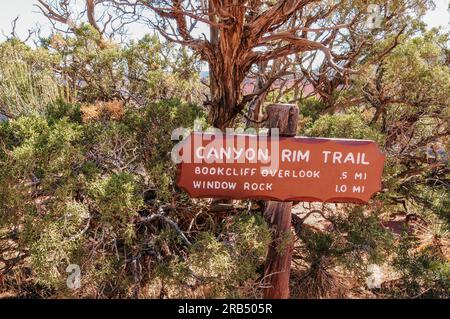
(343, 126)
(117, 200)
(28, 82)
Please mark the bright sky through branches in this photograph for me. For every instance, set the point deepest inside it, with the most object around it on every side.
(29, 17)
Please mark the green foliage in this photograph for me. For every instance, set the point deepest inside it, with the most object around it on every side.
(365, 235)
(117, 201)
(142, 72)
(86, 68)
(419, 72)
(211, 258)
(223, 263)
(86, 176)
(28, 83)
(60, 109)
(343, 126)
(358, 240)
(311, 108)
(73, 179)
(52, 248)
(47, 153)
(154, 130)
(425, 272)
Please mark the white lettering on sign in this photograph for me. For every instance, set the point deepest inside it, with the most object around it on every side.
(287, 155)
(280, 173)
(310, 169)
(294, 155)
(221, 171)
(341, 158)
(214, 185)
(231, 153)
(258, 186)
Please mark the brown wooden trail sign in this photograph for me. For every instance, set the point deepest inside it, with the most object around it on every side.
(284, 169)
(334, 170)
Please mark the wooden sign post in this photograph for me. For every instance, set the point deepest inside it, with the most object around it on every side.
(279, 169)
(277, 268)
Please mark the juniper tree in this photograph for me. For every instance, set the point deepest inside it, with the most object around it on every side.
(247, 34)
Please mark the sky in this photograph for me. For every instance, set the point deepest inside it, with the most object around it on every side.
(30, 16)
